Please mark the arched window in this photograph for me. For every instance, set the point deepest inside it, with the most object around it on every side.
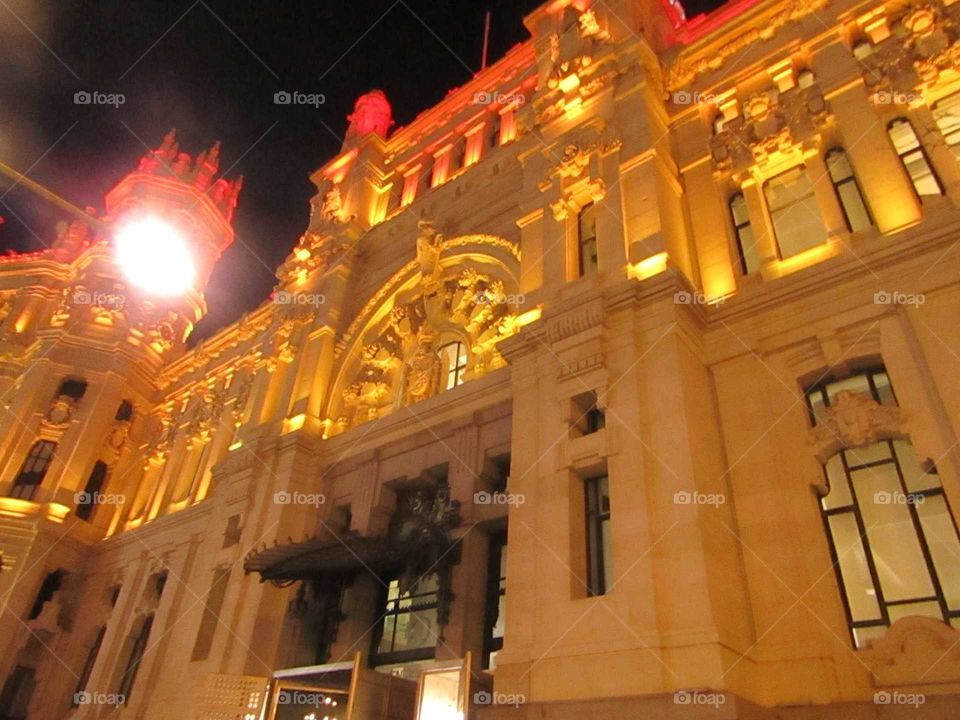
(453, 357)
(746, 245)
(33, 470)
(892, 534)
(845, 184)
(914, 158)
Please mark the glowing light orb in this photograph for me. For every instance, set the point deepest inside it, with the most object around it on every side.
(155, 256)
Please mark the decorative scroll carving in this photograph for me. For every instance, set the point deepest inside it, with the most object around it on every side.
(921, 52)
(915, 647)
(696, 62)
(409, 337)
(853, 420)
(772, 125)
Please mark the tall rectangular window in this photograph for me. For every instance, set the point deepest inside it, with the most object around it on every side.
(845, 184)
(408, 628)
(87, 501)
(88, 664)
(599, 540)
(496, 599)
(17, 692)
(746, 244)
(411, 181)
(794, 212)
(211, 614)
(454, 359)
(137, 652)
(914, 158)
(33, 470)
(587, 240)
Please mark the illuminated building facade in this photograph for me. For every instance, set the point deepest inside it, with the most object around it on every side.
(621, 383)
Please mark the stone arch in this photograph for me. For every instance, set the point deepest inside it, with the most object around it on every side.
(464, 288)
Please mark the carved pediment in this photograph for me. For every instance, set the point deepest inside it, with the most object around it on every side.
(853, 420)
(772, 124)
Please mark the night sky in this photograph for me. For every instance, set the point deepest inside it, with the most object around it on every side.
(210, 69)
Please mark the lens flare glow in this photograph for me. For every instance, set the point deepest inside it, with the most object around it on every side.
(155, 256)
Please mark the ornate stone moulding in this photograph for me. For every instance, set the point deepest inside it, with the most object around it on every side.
(854, 420)
(704, 58)
(404, 273)
(915, 650)
(774, 129)
(916, 55)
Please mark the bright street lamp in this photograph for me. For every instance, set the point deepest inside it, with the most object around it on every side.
(155, 256)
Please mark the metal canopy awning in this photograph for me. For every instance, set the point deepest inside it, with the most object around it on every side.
(324, 555)
(417, 542)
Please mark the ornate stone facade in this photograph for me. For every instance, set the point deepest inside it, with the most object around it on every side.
(518, 409)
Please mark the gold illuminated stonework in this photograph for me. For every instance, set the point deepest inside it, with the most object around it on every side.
(564, 311)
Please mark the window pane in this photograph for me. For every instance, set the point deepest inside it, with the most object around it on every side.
(852, 561)
(853, 205)
(947, 114)
(607, 540)
(587, 239)
(794, 212)
(857, 457)
(816, 404)
(882, 382)
(738, 208)
(864, 636)
(855, 384)
(926, 609)
(908, 148)
(916, 478)
(839, 495)
(748, 247)
(891, 534)
(386, 642)
(941, 536)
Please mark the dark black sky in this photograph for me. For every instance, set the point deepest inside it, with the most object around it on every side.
(210, 68)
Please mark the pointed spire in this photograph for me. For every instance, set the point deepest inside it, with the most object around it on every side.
(207, 165)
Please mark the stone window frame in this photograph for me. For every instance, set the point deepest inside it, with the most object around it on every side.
(854, 421)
